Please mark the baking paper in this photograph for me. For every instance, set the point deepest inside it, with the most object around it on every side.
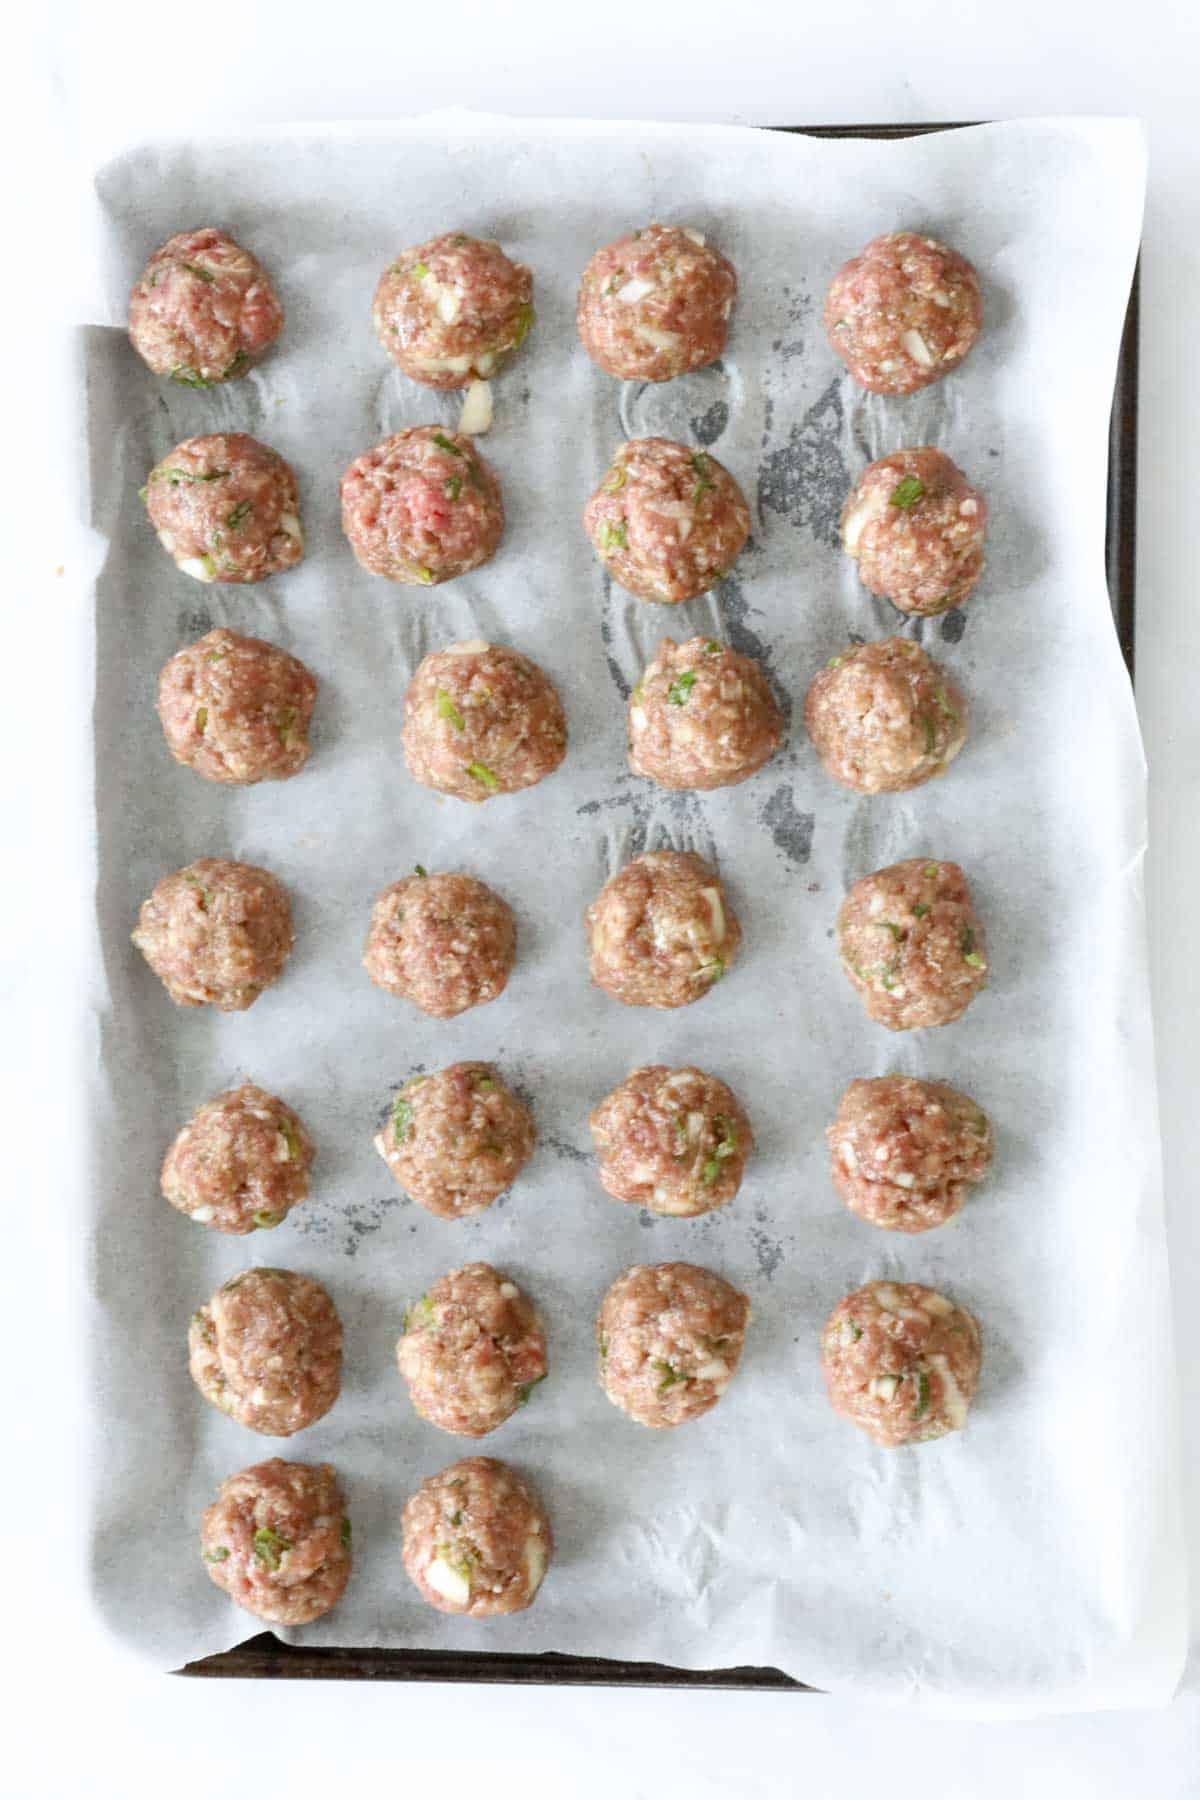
(1029, 1563)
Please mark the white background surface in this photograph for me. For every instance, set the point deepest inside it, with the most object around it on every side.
(83, 1720)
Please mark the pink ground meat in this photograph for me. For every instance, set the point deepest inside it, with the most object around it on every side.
(885, 717)
(277, 1539)
(237, 709)
(912, 944)
(482, 720)
(655, 304)
(477, 1539)
(267, 1350)
(672, 1140)
(456, 1140)
(667, 521)
(225, 509)
(669, 1339)
(445, 942)
(453, 310)
(903, 313)
(661, 931)
(472, 1351)
(901, 1362)
(422, 507)
(203, 309)
(216, 933)
(702, 716)
(916, 527)
(904, 1153)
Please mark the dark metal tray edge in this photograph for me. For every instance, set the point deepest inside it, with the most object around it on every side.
(264, 1657)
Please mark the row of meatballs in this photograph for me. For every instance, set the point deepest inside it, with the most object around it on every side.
(667, 521)
(651, 306)
(660, 933)
(900, 1361)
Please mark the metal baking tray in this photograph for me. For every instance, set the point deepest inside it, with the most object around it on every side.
(263, 1656)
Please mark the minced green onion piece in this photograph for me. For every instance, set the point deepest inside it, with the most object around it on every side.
(420, 869)
(711, 1170)
(526, 1388)
(291, 1138)
(613, 535)
(175, 476)
(345, 1534)
(920, 909)
(420, 270)
(930, 733)
(236, 366)
(931, 868)
(726, 1137)
(525, 320)
(635, 699)
(681, 687)
(269, 1547)
(142, 492)
(835, 662)
(602, 1343)
(484, 1083)
(712, 648)
(447, 710)
(922, 1406)
(966, 944)
(856, 1328)
(443, 443)
(670, 1376)
(939, 695)
(454, 487)
(189, 377)
(220, 1554)
(402, 1113)
(239, 515)
(714, 969)
(480, 772)
(703, 484)
(201, 718)
(615, 480)
(284, 728)
(195, 269)
(886, 925)
(975, 960)
(265, 1220)
(456, 1518)
(423, 575)
(906, 493)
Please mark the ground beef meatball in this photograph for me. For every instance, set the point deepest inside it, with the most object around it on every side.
(885, 717)
(903, 313)
(915, 526)
(672, 1140)
(456, 1140)
(666, 521)
(702, 716)
(445, 942)
(669, 1339)
(477, 1539)
(661, 932)
(655, 304)
(202, 309)
(451, 311)
(267, 1350)
(422, 507)
(901, 1362)
(472, 1351)
(216, 933)
(481, 720)
(912, 945)
(225, 508)
(240, 1164)
(277, 1539)
(903, 1152)
(236, 709)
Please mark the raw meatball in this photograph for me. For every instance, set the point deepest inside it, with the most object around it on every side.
(456, 1140)
(240, 1164)
(885, 717)
(903, 313)
(477, 1539)
(277, 1539)
(655, 304)
(445, 942)
(481, 720)
(667, 521)
(661, 932)
(202, 309)
(472, 1351)
(267, 1350)
(903, 1152)
(901, 1362)
(225, 508)
(916, 526)
(669, 1339)
(422, 507)
(911, 943)
(702, 716)
(672, 1140)
(236, 709)
(216, 933)
(453, 310)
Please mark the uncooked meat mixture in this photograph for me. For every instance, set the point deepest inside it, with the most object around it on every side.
(481, 720)
(672, 1140)
(661, 931)
(912, 944)
(445, 942)
(203, 309)
(422, 507)
(916, 527)
(901, 1362)
(885, 717)
(472, 1351)
(702, 716)
(455, 1141)
(904, 1153)
(216, 933)
(267, 1350)
(668, 1341)
(277, 1539)
(225, 509)
(453, 310)
(903, 313)
(477, 1539)
(241, 1162)
(667, 521)
(236, 709)
(655, 304)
